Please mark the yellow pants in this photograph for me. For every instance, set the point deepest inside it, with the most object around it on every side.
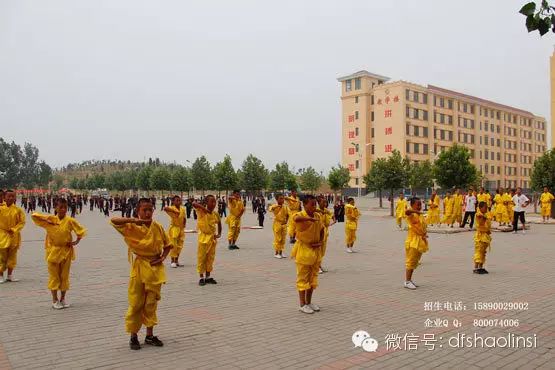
(433, 216)
(412, 258)
(143, 302)
(177, 247)
(447, 219)
(307, 276)
(280, 231)
(291, 225)
(546, 210)
(8, 258)
(350, 236)
(58, 275)
(234, 229)
(457, 217)
(206, 253)
(480, 250)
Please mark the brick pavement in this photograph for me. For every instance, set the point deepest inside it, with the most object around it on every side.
(250, 319)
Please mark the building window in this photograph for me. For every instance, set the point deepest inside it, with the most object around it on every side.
(425, 100)
(356, 131)
(407, 94)
(356, 181)
(450, 104)
(408, 129)
(415, 96)
(372, 99)
(425, 149)
(425, 115)
(416, 148)
(356, 114)
(442, 135)
(372, 116)
(348, 86)
(425, 131)
(407, 112)
(408, 147)
(372, 149)
(356, 99)
(356, 147)
(356, 164)
(357, 83)
(416, 130)
(372, 131)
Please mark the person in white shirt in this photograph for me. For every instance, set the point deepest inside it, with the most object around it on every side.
(521, 201)
(469, 208)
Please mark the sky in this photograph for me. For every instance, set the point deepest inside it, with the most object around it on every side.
(133, 79)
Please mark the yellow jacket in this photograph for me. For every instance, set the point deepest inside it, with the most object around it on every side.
(352, 215)
(146, 243)
(59, 235)
(177, 222)
(294, 204)
(308, 232)
(546, 199)
(483, 227)
(281, 213)
(400, 208)
(12, 220)
(417, 232)
(207, 225)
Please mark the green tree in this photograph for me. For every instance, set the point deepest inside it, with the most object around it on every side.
(339, 178)
(453, 168)
(74, 183)
(181, 179)
(143, 178)
(44, 174)
(541, 18)
(253, 175)
(281, 178)
(115, 181)
(21, 166)
(543, 171)
(225, 177)
(82, 184)
(310, 179)
(58, 182)
(421, 175)
(160, 179)
(390, 173)
(130, 179)
(201, 173)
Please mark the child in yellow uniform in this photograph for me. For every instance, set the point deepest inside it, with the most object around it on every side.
(294, 206)
(457, 208)
(508, 204)
(484, 196)
(279, 227)
(59, 247)
(433, 210)
(400, 209)
(499, 207)
(236, 210)
(482, 237)
(12, 220)
(328, 219)
(546, 199)
(149, 245)
(448, 202)
(207, 220)
(416, 242)
(176, 231)
(352, 215)
(307, 252)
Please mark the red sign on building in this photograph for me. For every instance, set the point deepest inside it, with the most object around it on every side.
(351, 151)
(351, 134)
(387, 100)
(396, 99)
(387, 113)
(351, 167)
(389, 130)
(351, 118)
(379, 101)
(388, 148)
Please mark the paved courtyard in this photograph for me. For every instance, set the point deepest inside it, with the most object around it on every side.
(250, 319)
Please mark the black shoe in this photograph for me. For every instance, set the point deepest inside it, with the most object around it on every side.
(476, 271)
(202, 282)
(153, 341)
(484, 271)
(235, 247)
(134, 343)
(211, 281)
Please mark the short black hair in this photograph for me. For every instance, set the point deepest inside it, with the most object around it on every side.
(307, 198)
(236, 191)
(176, 196)
(278, 195)
(350, 199)
(481, 204)
(209, 196)
(61, 201)
(414, 200)
(142, 201)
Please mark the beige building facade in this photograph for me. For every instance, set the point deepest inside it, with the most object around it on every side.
(379, 116)
(552, 72)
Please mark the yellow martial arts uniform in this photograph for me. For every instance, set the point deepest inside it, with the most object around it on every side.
(307, 258)
(415, 244)
(236, 208)
(294, 205)
(207, 225)
(400, 209)
(12, 220)
(457, 208)
(58, 248)
(448, 203)
(546, 200)
(145, 244)
(433, 211)
(327, 217)
(509, 205)
(352, 215)
(499, 208)
(176, 231)
(279, 227)
(482, 237)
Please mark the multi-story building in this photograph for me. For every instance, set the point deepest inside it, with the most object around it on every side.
(379, 116)
(552, 67)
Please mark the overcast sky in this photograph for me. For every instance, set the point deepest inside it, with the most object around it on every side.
(129, 79)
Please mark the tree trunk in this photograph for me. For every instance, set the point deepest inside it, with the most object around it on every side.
(391, 213)
(380, 196)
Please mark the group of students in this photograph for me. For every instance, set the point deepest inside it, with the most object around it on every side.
(149, 245)
(507, 207)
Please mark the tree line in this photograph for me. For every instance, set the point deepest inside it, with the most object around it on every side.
(22, 167)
